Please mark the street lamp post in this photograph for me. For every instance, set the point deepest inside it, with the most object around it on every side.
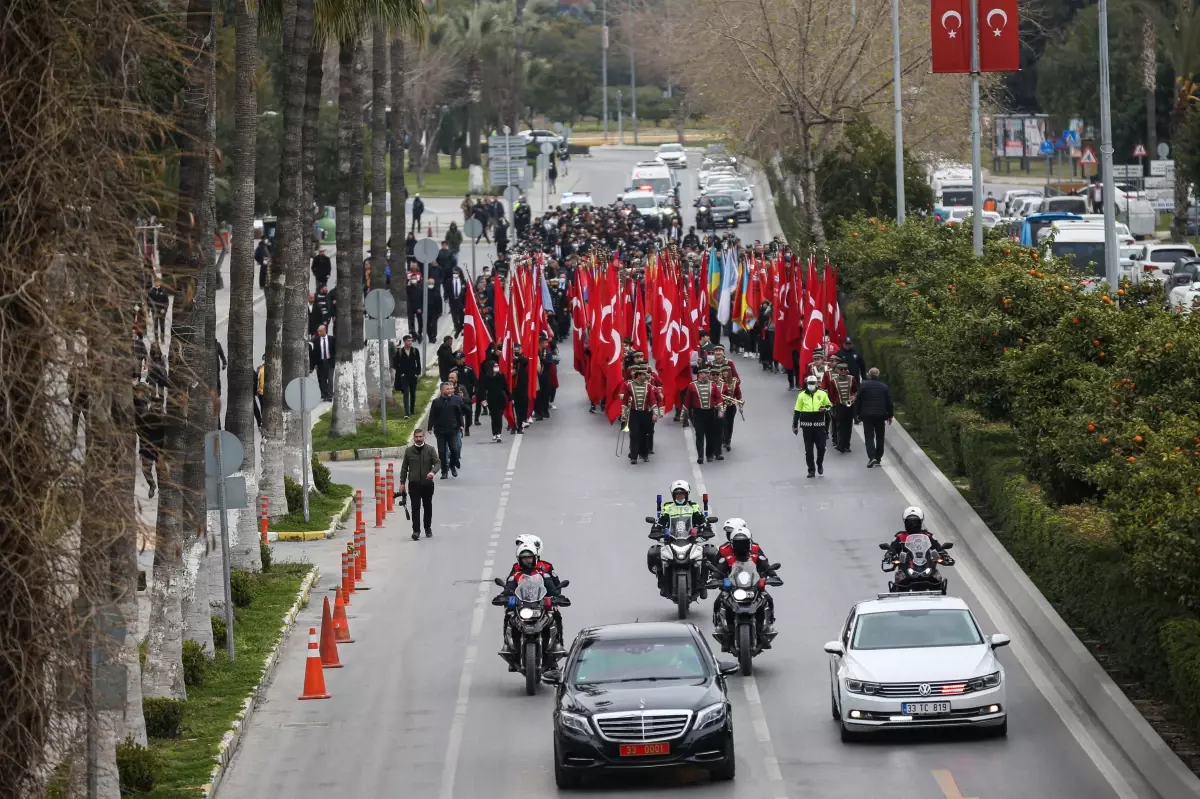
(976, 156)
(620, 119)
(632, 76)
(604, 64)
(1108, 188)
(899, 131)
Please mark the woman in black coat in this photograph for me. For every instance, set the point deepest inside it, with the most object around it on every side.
(497, 394)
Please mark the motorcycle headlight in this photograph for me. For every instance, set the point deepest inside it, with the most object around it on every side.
(713, 714)
(529, 613)
(575, 722)
(741, 594)
(928, 570)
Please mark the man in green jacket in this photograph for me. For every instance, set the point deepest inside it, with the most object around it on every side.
(811, 406)
(417, 468)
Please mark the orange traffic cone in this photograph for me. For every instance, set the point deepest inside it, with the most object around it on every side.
(341, 624)
(314, 678)
(329, 653)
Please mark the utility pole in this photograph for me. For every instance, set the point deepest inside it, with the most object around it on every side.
(604, 63)
(1108, 188)
(632, 76)
(976, 165)
(898, 133)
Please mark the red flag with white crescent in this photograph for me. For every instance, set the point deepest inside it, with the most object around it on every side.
(637, 334)
(999, 37)
(614, 366)
(475, 333)
(666, 330)
(814, 322)
(950, 32)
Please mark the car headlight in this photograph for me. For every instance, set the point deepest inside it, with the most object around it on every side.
(860, 687)
(529, 613)
(741, 594)
(713, 714)
(575, 722)
(991, 680)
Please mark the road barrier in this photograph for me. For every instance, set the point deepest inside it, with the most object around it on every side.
(264, 505)
(391, 488)
(358, 508)
(347, 578)
(380, 504)
(314, 675)
(328, 649)
(360, 549)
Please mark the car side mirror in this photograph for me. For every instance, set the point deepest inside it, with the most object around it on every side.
(552, 677)
(948, 546)
(999, 640)
(727, 666)
(835, 648)
(651, 520)
(883, 547)
(564, 583)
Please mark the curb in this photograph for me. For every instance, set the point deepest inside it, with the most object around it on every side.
(315, 535)
(232, 738)
(1087, 685)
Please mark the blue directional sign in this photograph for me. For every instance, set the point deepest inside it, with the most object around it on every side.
(1047, 147)
(1060, 143)
(1072, 137)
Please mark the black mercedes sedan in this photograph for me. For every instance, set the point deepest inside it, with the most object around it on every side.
(641, 696)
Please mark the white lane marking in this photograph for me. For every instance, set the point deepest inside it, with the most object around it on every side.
(758, 718)
(458, 723)
(1030, 662)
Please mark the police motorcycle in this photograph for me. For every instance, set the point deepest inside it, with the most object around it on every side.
(740, 618)
(683, 551)
(533, 630)
(916, 566)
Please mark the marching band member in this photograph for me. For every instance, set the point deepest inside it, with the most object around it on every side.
(700, 402)
(844, 388)
(641, 407)
(719, 361)
(731, 390)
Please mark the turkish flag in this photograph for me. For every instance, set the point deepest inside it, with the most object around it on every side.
(814, 322)
(475, 333)
(999, 37)
(666, 331)
(614, 366)
(597, 346)
(638, 334)
(950, 30)
(834, 322)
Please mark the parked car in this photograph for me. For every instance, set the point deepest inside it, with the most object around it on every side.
(540, 137)
(1157, 259)
(673, 155)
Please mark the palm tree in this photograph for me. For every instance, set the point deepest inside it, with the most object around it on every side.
(344, 421)
(239, 415)
(396, 179)
(1150, 79)
(470, 31)
(1180, 37)
(358, 194)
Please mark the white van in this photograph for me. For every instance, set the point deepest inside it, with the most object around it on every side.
(1082, 246)
(655, 174)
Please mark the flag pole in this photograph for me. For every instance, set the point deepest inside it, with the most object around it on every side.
(976, 157)
(898, 134)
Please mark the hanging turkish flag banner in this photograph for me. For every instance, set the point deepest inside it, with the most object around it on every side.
(999, 39)
(950, 31)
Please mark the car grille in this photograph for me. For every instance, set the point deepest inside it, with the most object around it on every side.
(936, 690)
(645, 726)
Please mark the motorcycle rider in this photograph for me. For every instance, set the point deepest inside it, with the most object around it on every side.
(529, 562)
(679, 506)
(914, 524)
(740, 548)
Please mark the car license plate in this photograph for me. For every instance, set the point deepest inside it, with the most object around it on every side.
(924, 708)
(642, 750)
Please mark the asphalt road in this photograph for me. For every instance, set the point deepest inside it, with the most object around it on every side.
(425, 708)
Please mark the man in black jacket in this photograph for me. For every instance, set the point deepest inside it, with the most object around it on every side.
(322, 268)
(873, 406)
(466, 378)
(853, 358)
(321, 357)
(407, 363)
(456, 297)
(445, 358)
(446, 421)
(418, 208)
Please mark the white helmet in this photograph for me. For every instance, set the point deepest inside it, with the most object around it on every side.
(680, 485)
(913, 510)
(529, 544)
(733, 524)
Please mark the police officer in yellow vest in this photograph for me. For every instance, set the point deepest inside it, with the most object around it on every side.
(811, 407)
(680, 507)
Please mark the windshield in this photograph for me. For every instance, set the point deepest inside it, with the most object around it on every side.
(722, 201)
(670, 148)
(641, 202)
(743, 575)
(1084, 256)
(531, 589)
(918, 546)
(681, 527)
(608, 661)
(1170, 256)
(957, 197)
(915, 629)
(1067, 205)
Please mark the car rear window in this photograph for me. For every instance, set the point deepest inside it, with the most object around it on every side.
(1170, 255)
(722, 200)
(915, 629)
(604, 661)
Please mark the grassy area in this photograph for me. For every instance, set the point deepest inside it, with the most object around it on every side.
(370, 436)
(186, 763)
(323, 509)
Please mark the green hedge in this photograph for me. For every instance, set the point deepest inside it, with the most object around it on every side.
(1069, 552)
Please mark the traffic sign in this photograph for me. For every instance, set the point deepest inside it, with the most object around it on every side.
(235, 493)
(1163, 149)
(426, 251)
(380, 304)
(232, 453)
(376, 329)
(1060, 143)
(558, 128)
(472, 228)
(1139, 151)
(1162, 168)
(1089, 157)
(1126, 171)
(1047, 147)
(302, 394)
(1071, 136)
(512, 194)
(511, 146)
(547, 148)
(543, 161)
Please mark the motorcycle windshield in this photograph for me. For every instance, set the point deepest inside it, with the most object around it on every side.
(532, 589)
(743, 575)
(680, 528)
(919, 547)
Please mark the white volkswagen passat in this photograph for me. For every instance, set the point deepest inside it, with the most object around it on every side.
(915, 660)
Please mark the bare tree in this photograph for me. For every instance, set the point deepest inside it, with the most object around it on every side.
(430, 72)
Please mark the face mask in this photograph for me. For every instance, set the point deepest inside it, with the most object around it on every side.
(418, 444)
(680, 500)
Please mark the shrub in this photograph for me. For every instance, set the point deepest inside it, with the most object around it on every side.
(320, 476)
(163, 717)
(195, 663)
(294, 493)
(241, 588)
(137, 767)
(219, 631)
(266, 553)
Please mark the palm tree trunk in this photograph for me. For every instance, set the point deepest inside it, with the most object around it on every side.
(345, 421)
(1150, 80)
(474, 94)
(312, 116)
(358, 170)
(399, 190)
(1179, 114)
(185, 270)
(294, 240)
(379, 220)
(239, 411)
